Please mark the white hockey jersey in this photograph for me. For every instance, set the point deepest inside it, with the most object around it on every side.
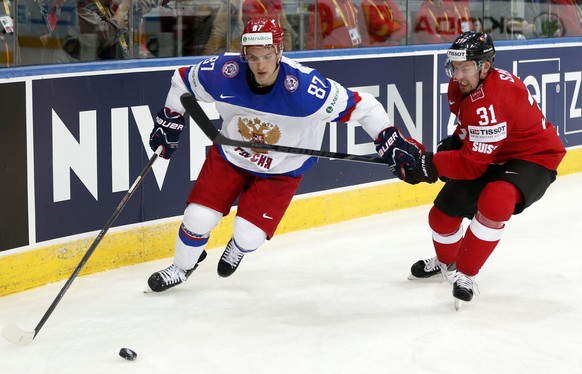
(292, 114)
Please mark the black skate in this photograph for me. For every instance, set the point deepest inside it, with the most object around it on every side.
(430, 268)
(463, 288)
(230, 260)
(171, 276)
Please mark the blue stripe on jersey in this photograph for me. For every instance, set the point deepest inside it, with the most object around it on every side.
(293, 173)
(191, 239)
(310, 93)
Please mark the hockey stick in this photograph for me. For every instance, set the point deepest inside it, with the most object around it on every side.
(193, 108)
(15, 334)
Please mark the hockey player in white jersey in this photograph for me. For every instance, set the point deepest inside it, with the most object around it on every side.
(262, 96)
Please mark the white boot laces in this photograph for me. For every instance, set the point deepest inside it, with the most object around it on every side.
(232, 255)
(434, 263)
(464, 281)
(172, 274)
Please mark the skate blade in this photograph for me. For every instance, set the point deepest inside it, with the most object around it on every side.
(458, 304)
(148, 290)
(437, 278)
(433, 279)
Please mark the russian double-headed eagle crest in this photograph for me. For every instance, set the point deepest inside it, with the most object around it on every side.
(255, 131)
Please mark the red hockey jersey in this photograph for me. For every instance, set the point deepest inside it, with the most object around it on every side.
(498, 122)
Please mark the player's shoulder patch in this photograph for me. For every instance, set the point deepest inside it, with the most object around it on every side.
(478, 94)
(304, 86)
(226, 65)
(296, 75)
(230, 69)
(291, 82)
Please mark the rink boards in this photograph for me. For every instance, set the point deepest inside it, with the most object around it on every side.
(75, 140)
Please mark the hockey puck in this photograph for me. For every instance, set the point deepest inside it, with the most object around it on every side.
(128, 354)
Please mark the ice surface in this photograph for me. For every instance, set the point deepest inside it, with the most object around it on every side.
(332, 300)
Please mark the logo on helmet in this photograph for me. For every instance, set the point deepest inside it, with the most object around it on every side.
(457, 55)
(262, 38)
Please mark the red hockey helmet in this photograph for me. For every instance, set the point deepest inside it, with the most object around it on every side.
(262, 32)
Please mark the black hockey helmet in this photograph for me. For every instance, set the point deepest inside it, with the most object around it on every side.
(471, 46)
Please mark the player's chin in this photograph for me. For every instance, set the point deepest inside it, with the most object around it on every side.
(465, 90)
(262, 75)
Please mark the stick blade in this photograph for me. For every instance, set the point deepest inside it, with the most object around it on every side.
(16, 335)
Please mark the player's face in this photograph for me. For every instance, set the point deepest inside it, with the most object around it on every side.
(468, 76)
(263, 64)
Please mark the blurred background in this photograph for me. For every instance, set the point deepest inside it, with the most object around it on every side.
(64, 31)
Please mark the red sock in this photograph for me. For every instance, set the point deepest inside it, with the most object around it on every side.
(447, 247)
(477, 246)
(447, 235)
(495, 207)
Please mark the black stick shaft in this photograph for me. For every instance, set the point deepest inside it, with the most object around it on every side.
(97, 240)
(197, 113)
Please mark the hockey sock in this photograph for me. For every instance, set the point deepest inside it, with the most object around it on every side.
(477, 246)
(447, 234)
(495, 207)
(447, 247)
(189, 247)
(193, 235)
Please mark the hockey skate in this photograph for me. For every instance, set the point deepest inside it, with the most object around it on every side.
(171, 276)
(463, 288)
(230, 260)
(429, 269)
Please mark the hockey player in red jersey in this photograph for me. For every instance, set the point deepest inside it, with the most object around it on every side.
(501, 158)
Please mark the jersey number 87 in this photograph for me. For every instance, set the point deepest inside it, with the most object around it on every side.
(315, 88)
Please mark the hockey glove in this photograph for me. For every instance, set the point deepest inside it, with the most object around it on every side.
(450, 143)
(425, 171)
(400, 153)
(167, 128)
